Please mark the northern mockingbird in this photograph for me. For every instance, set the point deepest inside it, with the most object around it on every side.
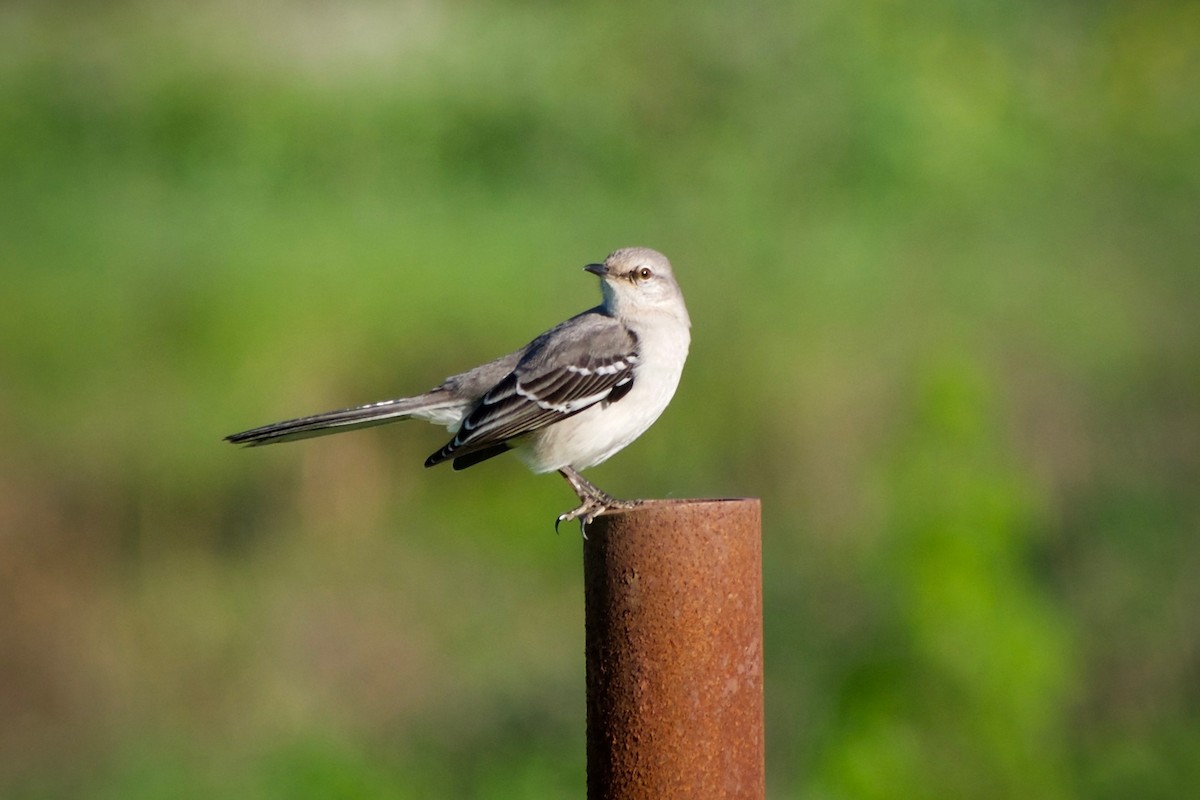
(566, 401)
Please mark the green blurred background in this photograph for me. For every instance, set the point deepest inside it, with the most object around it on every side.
(941, 260)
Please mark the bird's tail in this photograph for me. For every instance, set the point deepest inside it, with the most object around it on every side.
(436, 406)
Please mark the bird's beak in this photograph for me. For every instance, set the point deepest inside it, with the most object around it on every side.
(597, 269)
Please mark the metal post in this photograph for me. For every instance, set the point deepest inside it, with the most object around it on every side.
(673, 606)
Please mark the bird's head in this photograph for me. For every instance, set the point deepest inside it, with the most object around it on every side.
(638, 280)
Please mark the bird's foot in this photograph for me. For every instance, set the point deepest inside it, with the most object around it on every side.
(593, 507)
(595, 501)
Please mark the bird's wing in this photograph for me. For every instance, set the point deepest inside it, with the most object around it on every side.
(586, 360)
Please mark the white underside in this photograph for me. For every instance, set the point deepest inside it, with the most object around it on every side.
(449, 417)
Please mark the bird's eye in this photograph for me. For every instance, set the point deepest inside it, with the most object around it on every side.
(644, 274)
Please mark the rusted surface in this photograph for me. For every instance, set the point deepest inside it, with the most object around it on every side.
(673, 594)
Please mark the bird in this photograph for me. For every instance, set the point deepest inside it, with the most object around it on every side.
(569, 400)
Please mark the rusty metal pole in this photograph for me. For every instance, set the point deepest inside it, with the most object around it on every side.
(673, 607)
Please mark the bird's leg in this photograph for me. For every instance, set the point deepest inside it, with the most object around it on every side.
(595, 501)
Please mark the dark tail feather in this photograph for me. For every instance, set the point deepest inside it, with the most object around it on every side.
(471, 459)
(334, 421)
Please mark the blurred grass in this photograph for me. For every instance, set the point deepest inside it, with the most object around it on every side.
(951, 247)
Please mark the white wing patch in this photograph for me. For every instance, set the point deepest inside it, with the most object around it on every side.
(567, 407)
(607, 369)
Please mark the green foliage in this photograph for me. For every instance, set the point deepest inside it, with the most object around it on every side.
(950, 247)
(969, 697)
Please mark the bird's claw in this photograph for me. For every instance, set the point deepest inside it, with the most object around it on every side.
(591, 508)
(588, 511)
